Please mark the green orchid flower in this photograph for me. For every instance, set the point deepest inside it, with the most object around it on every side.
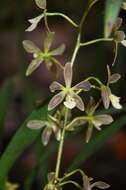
(47, 55)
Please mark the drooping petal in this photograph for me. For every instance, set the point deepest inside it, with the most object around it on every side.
(41, 4)
(105, 92)
(117, 24)
(58, 51)
(57, 132)
(103, 119)
(79, 102)
(70, 102)
(56, 100)
(55, 86)
(68, 74)
(36, 124)
(100, 185)
(114, 78)
(84, 85)
(30, 47)
(123, 43)
(34, 23)
(33, 66)
(124, 5)
(115, 100)
(48, 41)
(89, 133)
(46, 135)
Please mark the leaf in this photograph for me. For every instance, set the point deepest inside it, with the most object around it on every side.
(21, 140)
(112, 9)
(97, 142)
(5, 96)
(41, 4)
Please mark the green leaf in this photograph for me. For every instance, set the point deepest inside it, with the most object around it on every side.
(41, 4)
(112, 9)
(21, 140)
(5, 96)
(97, 142)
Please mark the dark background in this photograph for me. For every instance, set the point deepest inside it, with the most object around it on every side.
(109, 163)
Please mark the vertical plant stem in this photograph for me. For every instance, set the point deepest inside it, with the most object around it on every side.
(60, 151)
(77, 46)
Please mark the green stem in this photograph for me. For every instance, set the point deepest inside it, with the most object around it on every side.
(94, 78)
(77, 46)
(72, 173)
(95, 41)
(61, 147)
(64, 16)
(72, 182)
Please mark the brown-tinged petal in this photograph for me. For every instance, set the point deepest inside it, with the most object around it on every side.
(68, 74)
(55, 86)
(48, 41)
(36, 124)
(79, 102)
(30, 47)
(102, 120)
(100, 185)
(119, 36)
(57, 132)
(46, 135)
(84, 85)
(56, 100)
(41, 4)
(105, 92)
(114, 78)
(76, 123)
(58, 51)
(117, 24)
(33, 66)
(89, 133)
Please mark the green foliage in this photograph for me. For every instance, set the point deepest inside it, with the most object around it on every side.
(21, 140)
(112, 9)
(5, 96)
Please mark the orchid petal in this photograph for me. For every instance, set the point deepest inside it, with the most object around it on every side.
(68, 74)
(55, 86)
(105, 92)
(30, 47)
(79, 102)
(34, 23)
(36, 124)
(56, 100)
(100, 185)
(84, 85)
(114, 78)
(115, 100)
(33, 66)
(58, 51)
(41, 4)
(48, 41)
(46, 135)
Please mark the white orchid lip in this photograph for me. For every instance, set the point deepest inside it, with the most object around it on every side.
(115, 100)
(70, 102)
